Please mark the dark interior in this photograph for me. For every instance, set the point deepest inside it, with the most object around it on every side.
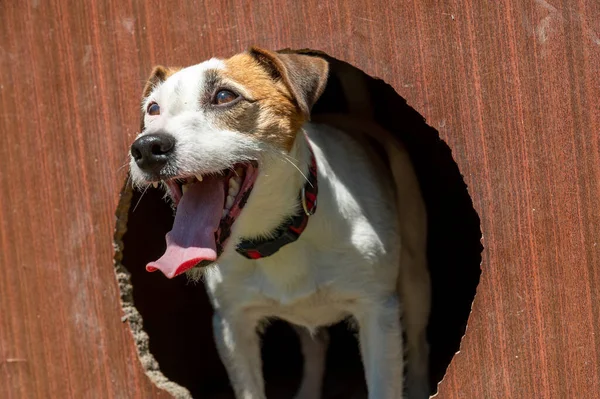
(177, 316)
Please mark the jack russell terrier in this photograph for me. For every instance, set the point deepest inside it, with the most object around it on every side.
(284, 217)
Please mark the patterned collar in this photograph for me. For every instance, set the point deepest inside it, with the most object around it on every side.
(290, 230)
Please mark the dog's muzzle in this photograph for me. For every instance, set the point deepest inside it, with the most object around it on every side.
(151, 152)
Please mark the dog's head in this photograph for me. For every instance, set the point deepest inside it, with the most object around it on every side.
(206, 129)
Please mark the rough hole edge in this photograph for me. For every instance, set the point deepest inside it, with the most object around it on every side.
(483, 248)
(130, 312)
(134, 318)
(462, 339)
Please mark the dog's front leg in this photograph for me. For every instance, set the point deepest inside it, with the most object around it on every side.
(381, 347)
(415, 292)
(238, 344)
(314, 350)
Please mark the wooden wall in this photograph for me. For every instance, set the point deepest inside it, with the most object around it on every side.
(512, 87)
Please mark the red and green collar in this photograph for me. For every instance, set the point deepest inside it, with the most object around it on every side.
(290, 230)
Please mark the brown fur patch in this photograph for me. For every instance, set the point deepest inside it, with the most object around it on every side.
(158, 75)
(304, 76)
(277, 118)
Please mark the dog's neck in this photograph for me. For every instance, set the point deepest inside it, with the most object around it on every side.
(276, 191)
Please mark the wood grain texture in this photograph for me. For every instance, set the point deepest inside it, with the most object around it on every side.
(511, 86)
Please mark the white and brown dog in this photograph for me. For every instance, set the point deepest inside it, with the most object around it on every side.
(231, 142)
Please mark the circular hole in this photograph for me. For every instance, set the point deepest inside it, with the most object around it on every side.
(176, 329)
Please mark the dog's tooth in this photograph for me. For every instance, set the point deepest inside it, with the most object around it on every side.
(225, 212)
(155, 184)
(199, 177)
(234, 185)
(184, 188)
(228, 202)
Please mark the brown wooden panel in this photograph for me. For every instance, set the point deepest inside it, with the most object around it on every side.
(512, 87)
(65, 116)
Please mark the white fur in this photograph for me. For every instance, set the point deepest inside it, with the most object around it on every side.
(346, 263)
(200, 146)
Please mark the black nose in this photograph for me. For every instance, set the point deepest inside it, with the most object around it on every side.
(151, 152)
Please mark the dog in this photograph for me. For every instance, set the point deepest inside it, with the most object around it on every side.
(286, 217)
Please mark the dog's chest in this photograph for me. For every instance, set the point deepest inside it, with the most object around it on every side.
(347, 253)
(320, 307)
(311, 312)
(305, 290)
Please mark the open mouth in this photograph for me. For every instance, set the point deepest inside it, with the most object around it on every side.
(206, 208)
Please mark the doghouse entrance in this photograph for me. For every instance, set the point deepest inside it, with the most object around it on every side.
(176, 334)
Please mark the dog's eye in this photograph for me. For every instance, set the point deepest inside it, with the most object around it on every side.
(153, 109)
(224, 97)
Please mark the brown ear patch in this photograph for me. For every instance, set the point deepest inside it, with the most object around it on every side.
(277, 119)
(283, 86)
(305, 76)
(158, 75)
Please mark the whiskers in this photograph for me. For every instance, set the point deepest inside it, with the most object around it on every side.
(129, 178)
(137, 186)
(282, 156)
(140, 199)
(289, 159)
(123, 166)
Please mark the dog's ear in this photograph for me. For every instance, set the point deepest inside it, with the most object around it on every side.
(159, 74)
(305, 76)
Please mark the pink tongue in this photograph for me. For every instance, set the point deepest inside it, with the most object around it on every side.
(192, 239)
